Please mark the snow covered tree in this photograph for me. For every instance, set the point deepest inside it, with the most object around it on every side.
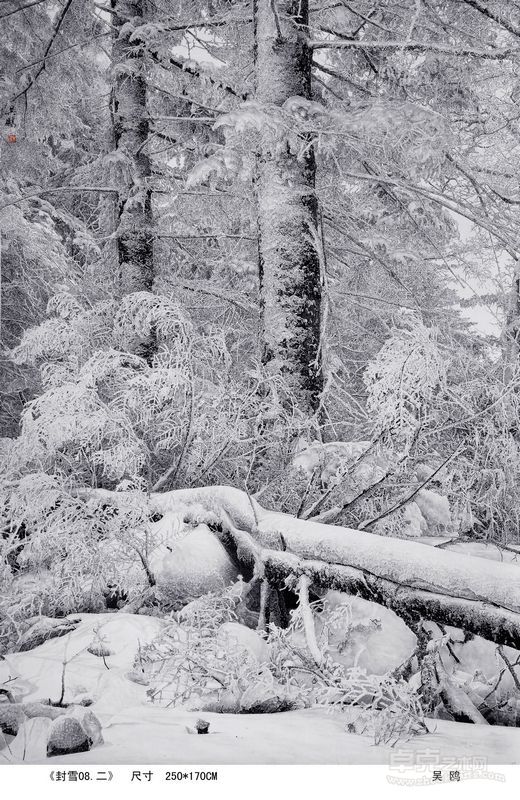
(288, 227)
(131, 133)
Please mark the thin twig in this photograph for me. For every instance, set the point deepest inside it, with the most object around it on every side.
(308, 619)
(500, 651)
(405, 500)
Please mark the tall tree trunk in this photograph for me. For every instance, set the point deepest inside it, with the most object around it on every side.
(512, 332)
(131, 130)
(290, 283)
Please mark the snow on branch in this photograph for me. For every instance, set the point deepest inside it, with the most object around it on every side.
(413, 579)
(432, 47)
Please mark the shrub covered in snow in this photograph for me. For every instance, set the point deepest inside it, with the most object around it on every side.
(206, 659)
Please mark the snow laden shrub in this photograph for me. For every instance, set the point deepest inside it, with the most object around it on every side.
(207, 660)
(403, 382)
(484, 420)
(382, 706)
(187, 414)
(118, 413)
(109, 418)
(402, 379)
(62, 553)
(351, 482)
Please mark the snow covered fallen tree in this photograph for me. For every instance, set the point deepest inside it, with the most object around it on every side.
(416, 581)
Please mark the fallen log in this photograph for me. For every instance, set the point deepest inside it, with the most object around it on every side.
(484, 619)
(414, 580)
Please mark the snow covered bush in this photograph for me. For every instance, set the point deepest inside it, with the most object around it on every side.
(61, 553)
(109, 417)
(209, 661)
(382, 706)
(187, 414)
(402, 379)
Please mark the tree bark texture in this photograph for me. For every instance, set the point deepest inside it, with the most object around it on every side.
(289, 263)
(131, 132)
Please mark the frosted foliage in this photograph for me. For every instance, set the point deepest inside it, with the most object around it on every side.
(394, 130)
(64, 305)
(250, 116)
(66, 339)
(116, 411)
(403, 377)
(260, 316)
(69, 552)
(81, 413)
(88, 429)
(225, 164)
(332, 460)
(206, 659)
(381, 706)
(141, 313)
(52, 339)
(188, 661)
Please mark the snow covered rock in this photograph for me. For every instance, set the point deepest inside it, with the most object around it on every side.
(89, 722)
(41, 730)
(67, 735)
(44, 628)
(11, 718)
(192, 566)
(265, 696)
(237, 636)
(365, 634)
(269, 698)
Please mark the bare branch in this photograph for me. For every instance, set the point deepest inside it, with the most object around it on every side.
(22, 8)
(409, 497)
(498, 18)
(57, 26)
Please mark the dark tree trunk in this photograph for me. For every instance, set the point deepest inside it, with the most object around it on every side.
(131, 131)
(290, 281)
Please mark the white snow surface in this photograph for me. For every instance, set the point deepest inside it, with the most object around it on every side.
(136, 731)
(152, 735)
(38, 672)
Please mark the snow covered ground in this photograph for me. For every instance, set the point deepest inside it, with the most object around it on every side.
(137, 731)
(144, 734)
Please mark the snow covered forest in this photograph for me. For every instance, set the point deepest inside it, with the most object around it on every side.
(260, 380)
